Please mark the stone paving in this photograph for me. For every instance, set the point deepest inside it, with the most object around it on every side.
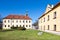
(53, 32)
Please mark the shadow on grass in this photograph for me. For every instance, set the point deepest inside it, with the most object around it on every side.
(6, 30)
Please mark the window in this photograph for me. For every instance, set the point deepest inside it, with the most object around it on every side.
(48, 17)
(54, 27)
(26, 25)
(20, 25)
(29, 21)
(44, 19)
(26, 21)
(13, 21)
(54, 15)
(5, 21)
(5, 25)
(41, 27)
(16, 25)
(44, 27)
(23, 25)
(20, 21)
(12, 25)
(8, 21)
(29, 25)
(8, 25)
(41, 20)
(23, 21)
(48, 27)
(16, 21)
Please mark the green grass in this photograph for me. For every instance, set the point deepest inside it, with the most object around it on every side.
(27, 35)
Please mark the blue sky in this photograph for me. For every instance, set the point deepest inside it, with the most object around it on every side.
(35, 7)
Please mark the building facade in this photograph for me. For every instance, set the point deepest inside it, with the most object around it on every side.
(17, 20)
(50, 20)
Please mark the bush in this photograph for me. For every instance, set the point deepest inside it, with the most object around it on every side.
(21, 28)
(18, 28)
(14, 27)
(6, 30)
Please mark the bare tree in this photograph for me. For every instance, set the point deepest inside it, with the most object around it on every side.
(0, 18)
(36, 24)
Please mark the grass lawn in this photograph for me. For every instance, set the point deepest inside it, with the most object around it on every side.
(27, 35)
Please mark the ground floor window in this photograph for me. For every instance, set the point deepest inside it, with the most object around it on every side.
(26, 25)
(48, 27)
(8, 25)
(5, 25)
(12, 25)
(54, 27)
(44, 27)
(41, 27)
(20, 25)
(23, 26)
(29, 25)
(16, 25)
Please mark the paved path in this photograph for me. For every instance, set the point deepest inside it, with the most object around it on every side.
(53, 32)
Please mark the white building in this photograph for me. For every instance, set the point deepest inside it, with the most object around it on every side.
(17, 20)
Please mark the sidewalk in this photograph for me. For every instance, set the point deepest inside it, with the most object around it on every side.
(53, 32)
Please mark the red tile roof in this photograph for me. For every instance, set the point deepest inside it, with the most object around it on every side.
(17, 17)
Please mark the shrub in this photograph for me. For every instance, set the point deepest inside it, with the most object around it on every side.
(18, 28)
(6, 30)
(14, 27)
(21, 28)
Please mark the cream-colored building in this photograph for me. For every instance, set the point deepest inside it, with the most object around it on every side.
(17, 20)
(50, 20)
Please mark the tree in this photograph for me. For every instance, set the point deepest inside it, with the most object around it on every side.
(0, 18)
(36, 25)
(0, 22)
